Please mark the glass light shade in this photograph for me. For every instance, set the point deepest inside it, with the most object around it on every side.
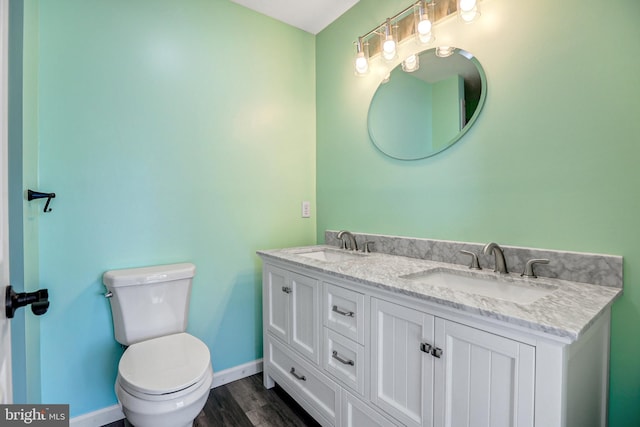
(389, 41)
(468, 10)
(424, 25)
(389, 48)
(361, 61)
(411, 64)
(361, 64)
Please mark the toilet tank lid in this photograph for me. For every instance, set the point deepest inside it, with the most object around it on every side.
(146, 275)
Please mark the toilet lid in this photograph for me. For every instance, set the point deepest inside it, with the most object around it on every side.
(164, 365)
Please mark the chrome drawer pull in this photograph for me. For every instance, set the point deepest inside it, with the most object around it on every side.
(341, 360)
(300, 377)
(344, 313)
(286, 289)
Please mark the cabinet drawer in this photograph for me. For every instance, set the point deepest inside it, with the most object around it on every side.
(344, 312)
(344, 359)
(322, 394)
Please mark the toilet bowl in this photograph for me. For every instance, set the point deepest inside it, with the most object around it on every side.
(165, 374)
(164, 382)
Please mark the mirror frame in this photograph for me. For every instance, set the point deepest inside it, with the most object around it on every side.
(481, 101)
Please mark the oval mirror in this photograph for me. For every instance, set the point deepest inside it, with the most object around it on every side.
(417, 114)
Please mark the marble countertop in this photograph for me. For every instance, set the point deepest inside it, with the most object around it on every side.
(566, 312)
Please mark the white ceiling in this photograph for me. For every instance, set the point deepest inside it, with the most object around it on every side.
(311, 16)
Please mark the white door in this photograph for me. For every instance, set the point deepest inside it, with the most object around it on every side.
(402, 367)
(482, 379)
(6, 393)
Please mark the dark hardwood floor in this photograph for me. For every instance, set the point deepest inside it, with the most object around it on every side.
(247, 403)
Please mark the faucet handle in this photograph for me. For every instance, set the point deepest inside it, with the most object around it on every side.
(528, 268)
(474, 260)
(365, 246)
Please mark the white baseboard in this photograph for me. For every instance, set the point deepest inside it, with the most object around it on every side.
(114, 413)
(236, 373)
(98, 418)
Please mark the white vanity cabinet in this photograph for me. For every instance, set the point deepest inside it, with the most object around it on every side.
(358, 355)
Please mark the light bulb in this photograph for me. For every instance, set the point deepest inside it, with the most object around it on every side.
(361, 64)
(389, 48)
(424, 13)
(467, 5)
(388, 39)
(424, 26)
(361, 61)
(468, 10)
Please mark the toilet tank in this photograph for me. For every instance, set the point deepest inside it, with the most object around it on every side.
(149, 302)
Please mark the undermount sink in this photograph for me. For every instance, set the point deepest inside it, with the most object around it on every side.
(506, 288)
(331, 255)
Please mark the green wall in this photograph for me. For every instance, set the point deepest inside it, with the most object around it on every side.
(550, 163)
(170, 131)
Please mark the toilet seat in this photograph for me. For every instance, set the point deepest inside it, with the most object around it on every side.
(165, 367)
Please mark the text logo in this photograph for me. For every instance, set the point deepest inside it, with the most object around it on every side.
(34, 415)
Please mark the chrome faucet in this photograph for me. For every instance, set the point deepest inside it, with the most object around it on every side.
(353, 246)
(500, 263)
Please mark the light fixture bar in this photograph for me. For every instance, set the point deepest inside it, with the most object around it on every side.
(405, 23)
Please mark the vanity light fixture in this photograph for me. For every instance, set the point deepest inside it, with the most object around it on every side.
(414, 22)
(468, 10)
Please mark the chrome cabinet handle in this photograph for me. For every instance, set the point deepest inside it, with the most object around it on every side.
(344, 313)
(336, 356)
(430, 349)
(286, 289)
(300, 377)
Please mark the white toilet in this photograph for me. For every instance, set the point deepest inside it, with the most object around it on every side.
(165, 374)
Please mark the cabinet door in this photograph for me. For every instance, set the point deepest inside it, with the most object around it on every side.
(482, 379)
(305, 316)
(402, 373)
(276, 289)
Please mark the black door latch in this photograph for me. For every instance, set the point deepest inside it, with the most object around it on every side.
(39, 301)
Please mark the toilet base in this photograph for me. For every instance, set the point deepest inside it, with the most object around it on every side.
(178, 412)
(128, 424)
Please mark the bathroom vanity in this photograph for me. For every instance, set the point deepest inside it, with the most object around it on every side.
(383, 340)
